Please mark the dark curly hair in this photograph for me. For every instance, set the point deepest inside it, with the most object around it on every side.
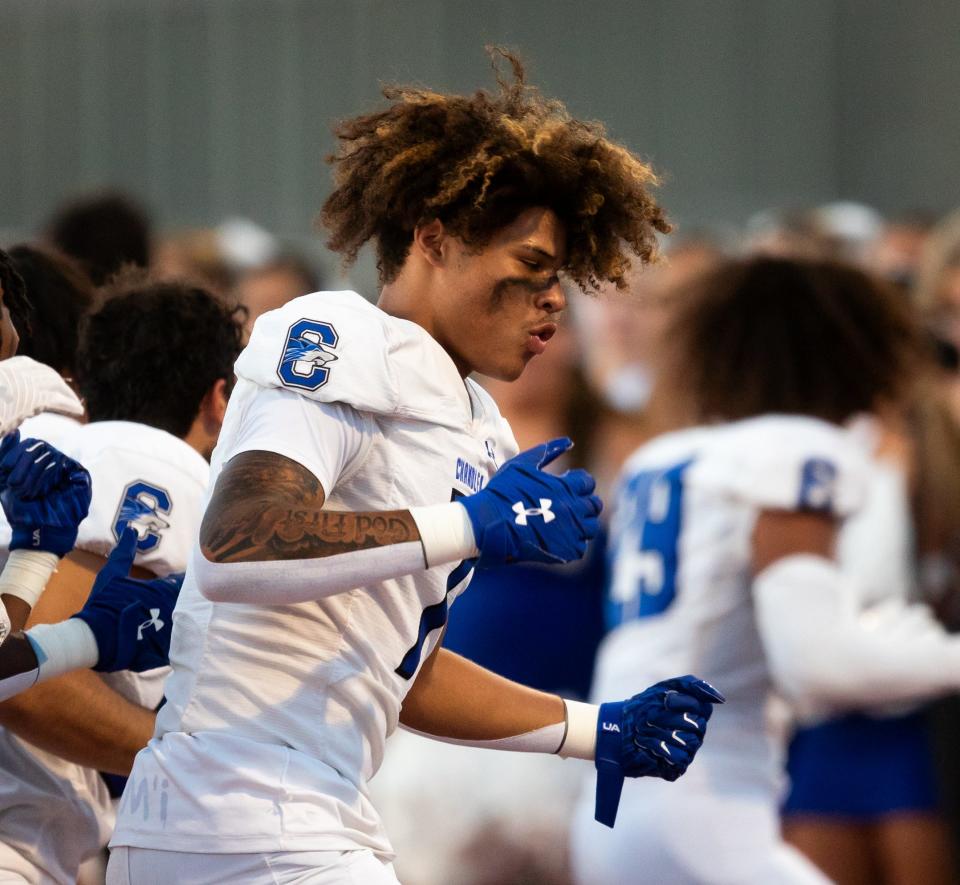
(60, 296)
(764, 335)
(14, 294)
(475, 163)
(154, 349)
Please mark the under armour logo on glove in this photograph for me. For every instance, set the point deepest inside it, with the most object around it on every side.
(115, 613)
(155, 621)
(543, 510)
(502, 513)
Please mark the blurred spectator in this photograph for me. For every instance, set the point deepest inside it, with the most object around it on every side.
(937, 298)
(619, 334)
(937, 292)
(60, 296)
(104, 232)
(896, 254)
(784, 233)
(848, 230)
(195, 254)
(273, 284)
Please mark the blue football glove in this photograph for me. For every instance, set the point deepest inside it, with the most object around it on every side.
(131, 619)
(527, 515)
(654, 734)
(45, 495)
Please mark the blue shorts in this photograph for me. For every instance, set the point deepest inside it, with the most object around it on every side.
(863, 767)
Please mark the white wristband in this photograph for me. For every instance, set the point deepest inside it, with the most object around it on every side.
(581, 739)
(445, 533)
(26, 573)
(5, 625)
(60, 648)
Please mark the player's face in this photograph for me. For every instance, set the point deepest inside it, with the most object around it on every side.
(501, 302)
(9, 340)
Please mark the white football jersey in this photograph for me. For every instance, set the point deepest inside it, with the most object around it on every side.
(680, 593)
(277, 715)
(154, 481)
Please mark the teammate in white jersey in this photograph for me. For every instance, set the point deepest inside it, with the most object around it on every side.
(155, 368)
(334, 540)
(723, 559)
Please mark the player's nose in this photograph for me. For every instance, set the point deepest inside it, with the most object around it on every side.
(552, 299)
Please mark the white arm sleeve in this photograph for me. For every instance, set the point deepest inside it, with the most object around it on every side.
(574, 738)
(823, 653)
(289, 581)
(328, 440)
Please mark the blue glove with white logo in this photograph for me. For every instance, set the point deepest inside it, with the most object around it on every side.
(131, 619)
(527, 515)
(654, 734)
(45, 495)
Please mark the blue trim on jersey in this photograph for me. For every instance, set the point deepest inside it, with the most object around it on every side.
(644, 553)
(861, 767)
(433, 618)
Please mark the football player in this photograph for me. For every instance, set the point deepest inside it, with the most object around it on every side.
(155, 368)
(724, 559)
(361, 477)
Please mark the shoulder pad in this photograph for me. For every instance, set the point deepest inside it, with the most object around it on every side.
(785, 462)
(145, 478)
(337, 347)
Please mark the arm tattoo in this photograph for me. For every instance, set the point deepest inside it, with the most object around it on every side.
(267, 507)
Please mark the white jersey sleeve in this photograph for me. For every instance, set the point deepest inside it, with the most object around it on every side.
(329, 439)
(786, 463)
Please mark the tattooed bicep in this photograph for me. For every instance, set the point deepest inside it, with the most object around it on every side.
(252, 493)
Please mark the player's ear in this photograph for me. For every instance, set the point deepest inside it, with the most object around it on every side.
(213, 406)
(218, 400)
(429, 240)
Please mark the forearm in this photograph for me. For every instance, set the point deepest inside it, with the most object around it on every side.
(24, 577)
(458, 701)
(268, 511)
(820, 653)
(81, 719)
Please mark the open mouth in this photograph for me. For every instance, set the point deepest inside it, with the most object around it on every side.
(539, 336)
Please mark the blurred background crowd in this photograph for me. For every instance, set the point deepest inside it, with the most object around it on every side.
(187, 137)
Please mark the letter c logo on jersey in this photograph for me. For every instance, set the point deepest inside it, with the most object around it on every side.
(305, 355)
(141, 508)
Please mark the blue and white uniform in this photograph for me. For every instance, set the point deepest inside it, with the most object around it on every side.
(58, 813)
(277, 715)
(680, 601)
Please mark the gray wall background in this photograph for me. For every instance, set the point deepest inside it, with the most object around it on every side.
(206, 108)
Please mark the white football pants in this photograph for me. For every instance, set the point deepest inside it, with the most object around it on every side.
(146, 866)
